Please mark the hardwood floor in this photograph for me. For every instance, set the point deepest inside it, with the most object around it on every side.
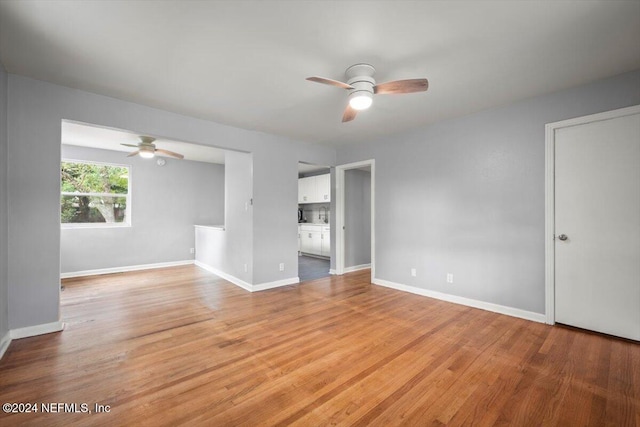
(181, 346)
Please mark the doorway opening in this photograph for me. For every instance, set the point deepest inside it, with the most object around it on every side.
(314, 221)
(355, 217)
(121, 211)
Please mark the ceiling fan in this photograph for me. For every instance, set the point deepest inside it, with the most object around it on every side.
(147, 149)
(362, 86)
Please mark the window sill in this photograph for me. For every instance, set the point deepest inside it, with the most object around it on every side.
(92, 226)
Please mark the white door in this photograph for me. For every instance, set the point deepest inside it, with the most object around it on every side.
(597, 226)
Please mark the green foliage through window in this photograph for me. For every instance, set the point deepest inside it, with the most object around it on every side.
(93, 193)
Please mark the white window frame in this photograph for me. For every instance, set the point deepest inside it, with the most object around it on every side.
(73, 225)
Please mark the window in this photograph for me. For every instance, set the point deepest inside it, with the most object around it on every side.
(94, 194)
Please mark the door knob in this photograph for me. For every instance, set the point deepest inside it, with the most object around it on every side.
(563, 237)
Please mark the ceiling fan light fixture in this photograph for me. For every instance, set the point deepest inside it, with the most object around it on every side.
(147, 149)
(362, 86)
(360, 100)
(146, 153)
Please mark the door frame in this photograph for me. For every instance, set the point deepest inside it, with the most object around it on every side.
(550, 185)
(340, 213)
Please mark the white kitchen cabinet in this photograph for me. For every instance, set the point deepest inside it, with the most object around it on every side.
(315, 239)
(299, 236)
(307, 190)
(323, 188)
(311, 241)
(305, 242)
(314, 189)
(325, 249)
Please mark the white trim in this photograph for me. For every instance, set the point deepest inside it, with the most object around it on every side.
(89, 225)
(247, 286)
(340, 213)
(549, 227)
(488, 306)
(238, 282)
(78, 193)
(332, 271)
(356, 268)
(275, 284)
(4, 343)
(32, 331)
(211, 227)
(125, 269)
(339, 233)
(93, 162)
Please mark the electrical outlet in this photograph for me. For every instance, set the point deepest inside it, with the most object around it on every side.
(192, 250)
(449, 277)
(413, 272)
(246, 268)
(282, 266)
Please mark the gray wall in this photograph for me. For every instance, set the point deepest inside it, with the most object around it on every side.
(4, 310)
(165, 204)
(239, 219)
(466, 196)
(214, 247)
(35, 112)
(275, 218)
(357, 217)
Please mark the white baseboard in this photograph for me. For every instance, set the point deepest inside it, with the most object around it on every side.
(276, 284)
(228, 277)
(32, 331)
(248, 286)
(496, 308)
(4, 343)
(124, 269)
(351, 269)
(357, 268)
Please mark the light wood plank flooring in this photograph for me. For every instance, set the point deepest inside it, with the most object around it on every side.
(180, 346)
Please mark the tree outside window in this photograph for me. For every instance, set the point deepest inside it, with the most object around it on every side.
(94, 193)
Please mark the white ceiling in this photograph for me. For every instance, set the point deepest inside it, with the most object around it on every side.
(244, 63)
(110, 139)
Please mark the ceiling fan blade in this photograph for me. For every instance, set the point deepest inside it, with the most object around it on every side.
(349, 114)
(402, 86)
(129, 145)
(329, 82)
(133, 153)
(169, 153)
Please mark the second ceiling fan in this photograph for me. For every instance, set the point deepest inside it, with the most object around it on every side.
(362, 86)
(147, 149)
